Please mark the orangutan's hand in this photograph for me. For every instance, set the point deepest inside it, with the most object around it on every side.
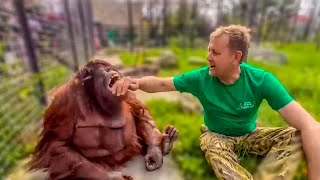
(153, 159)
(168, 138)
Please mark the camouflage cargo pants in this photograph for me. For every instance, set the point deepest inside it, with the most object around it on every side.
(281, 147)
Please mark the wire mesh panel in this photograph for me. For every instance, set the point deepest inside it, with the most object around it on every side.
(41, 44)
(18, 108)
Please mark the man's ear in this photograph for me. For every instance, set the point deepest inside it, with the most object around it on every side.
(237, 57)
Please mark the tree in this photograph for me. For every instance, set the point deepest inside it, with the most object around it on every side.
(310, 21)
(194, 18)
(164, 22)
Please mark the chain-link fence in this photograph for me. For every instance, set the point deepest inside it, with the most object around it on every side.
(39, 48)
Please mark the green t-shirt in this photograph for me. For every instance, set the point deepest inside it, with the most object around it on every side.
(232, 109)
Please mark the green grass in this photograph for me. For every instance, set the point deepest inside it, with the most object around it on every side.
(301, 77)
(186, 151)
(137, 57)
(183, 57)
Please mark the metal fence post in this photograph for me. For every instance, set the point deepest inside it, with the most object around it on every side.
(130, 23)
(70, 31)
(83, 29)
(90, 27)
(19, 5)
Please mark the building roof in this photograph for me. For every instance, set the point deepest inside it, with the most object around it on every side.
(115, 14)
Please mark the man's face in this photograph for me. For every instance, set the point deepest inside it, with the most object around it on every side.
(219, 56)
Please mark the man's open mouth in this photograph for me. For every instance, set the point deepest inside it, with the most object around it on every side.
(115, 77)
(212, 66)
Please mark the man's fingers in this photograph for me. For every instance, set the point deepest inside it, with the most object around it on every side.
(121, 86)
(116, 86)
(134, 85)
(113, 88)
(125, 87)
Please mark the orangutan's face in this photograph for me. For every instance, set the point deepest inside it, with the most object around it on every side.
(115, 76)
(106, 77)
(98, 77)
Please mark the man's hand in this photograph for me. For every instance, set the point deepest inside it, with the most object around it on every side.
(296, 116)
(121, 86)
(153, 159)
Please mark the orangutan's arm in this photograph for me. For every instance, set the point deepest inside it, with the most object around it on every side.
(67, 162)
(152, 137)
(147, 129)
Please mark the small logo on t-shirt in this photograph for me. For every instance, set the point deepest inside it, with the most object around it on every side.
(247, 105)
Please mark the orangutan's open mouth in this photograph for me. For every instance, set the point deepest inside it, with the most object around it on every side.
(115, 77)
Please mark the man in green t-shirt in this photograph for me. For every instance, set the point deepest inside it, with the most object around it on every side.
(230, 92)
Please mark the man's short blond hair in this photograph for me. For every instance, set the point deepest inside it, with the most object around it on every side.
(239, 38)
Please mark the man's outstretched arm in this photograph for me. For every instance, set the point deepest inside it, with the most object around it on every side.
(298, 117)
(150, 84)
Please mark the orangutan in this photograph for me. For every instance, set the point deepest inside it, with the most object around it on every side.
(88, 133)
